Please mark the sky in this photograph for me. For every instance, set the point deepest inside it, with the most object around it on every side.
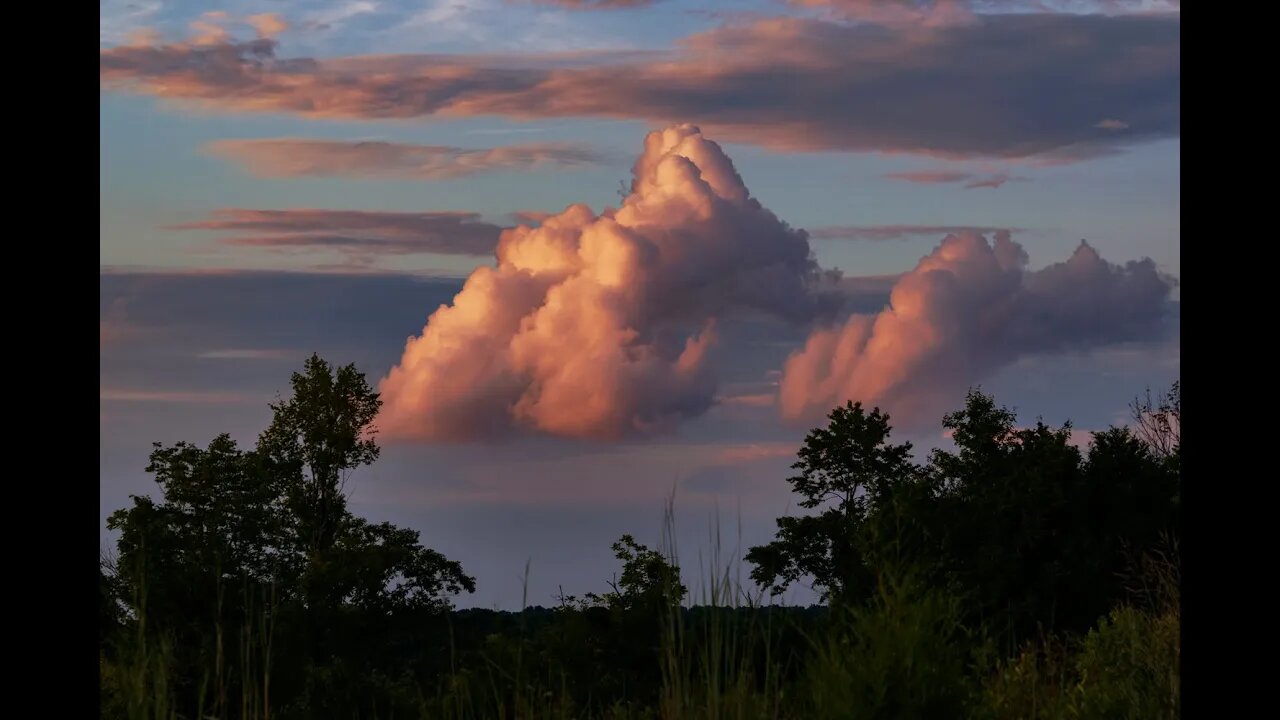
(597, 255)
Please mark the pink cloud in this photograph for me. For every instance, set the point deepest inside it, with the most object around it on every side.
(967, 309)
(970, 180)
(930, 177)
(958, 91)
(602, 326)
(359, 234)
(896, 232)
(297, 157)
(267, 24)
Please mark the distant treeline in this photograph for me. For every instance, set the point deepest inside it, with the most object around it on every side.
(1015, 576)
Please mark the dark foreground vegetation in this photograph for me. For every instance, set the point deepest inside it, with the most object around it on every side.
(1014, 577)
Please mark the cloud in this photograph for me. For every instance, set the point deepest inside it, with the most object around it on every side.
(993, 181)
(113, 325)
(941, 13)
(914, 13)
(267, 24)
(601, 327)
(967, 309)
(988, 89)
(180, 397)
(119, 20)
(591, 4)
(937, 177)
(330, 19)
(531, 217)
(896, 232)
(358, 233)
(1112, 125)
(298, 157)
(930, 177)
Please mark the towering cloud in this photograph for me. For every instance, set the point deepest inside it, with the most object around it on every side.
(601, 326)
(967, 309)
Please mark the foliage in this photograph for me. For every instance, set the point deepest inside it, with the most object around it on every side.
(239, 536)
(847, 469)
(1027, 530)
(1013, 576)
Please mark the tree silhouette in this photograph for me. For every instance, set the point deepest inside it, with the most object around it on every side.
(845, 468)
(239, 534)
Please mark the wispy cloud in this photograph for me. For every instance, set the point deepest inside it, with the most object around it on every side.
(588, 4)
(177, 397)
(897, 232)
(298, 157)
(975, 90)
(359, 234)
(971, 180)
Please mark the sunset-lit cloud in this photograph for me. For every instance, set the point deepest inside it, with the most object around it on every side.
(939, 177)
(911, 13)
(299, 157)
(353, 232)
(971, 90)
(603, 326)
(267, 24)
(967, 309)
(930, 177)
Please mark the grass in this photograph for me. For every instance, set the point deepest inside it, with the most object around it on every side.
(904, 654)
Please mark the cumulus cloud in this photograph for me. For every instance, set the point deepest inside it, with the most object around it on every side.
(987, 89)
(601, 326)
(967, 309)
(358, 233)
(299, 157)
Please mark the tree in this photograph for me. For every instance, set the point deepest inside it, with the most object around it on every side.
(1158, 423)
(649, 581)
(847, 468)
(242, 535)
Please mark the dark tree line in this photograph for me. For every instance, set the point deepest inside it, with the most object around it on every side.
(249, 589)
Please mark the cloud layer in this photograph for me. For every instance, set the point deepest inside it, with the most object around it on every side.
(601, 326)
(896, 232)
(967, 309)
(940, 177)
(358, 234)
(298, 157)
(991, 88)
